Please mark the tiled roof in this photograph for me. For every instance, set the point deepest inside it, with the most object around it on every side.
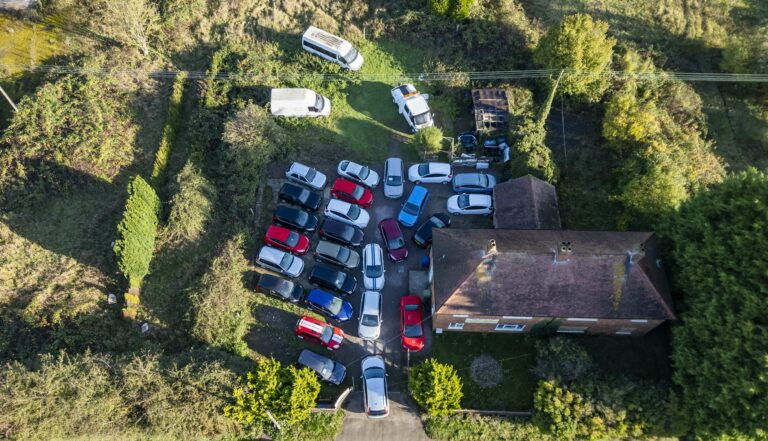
(525, 203)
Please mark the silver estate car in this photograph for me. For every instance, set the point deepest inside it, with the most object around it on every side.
(393, 178)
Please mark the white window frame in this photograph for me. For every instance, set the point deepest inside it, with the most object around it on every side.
(510, 327)
(460, 315)
(456, 326)
(581, 319)
(638, 321)
(626, 331)
(514, 317)
(572, 329)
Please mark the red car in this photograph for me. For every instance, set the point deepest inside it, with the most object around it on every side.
(394, 241)
(320, 332)
(352, 193)
(286, 239)
(411, 326)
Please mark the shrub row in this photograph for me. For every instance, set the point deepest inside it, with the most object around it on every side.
(170, 130)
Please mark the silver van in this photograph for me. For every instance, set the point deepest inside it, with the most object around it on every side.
(332, 48)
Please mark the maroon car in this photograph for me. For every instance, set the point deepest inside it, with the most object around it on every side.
(393, 239)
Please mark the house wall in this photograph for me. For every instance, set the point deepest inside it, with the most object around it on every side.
(489, 323)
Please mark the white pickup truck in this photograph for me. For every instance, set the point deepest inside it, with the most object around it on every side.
(413, 106)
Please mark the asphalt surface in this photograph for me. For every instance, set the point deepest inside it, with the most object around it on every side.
(402, 424)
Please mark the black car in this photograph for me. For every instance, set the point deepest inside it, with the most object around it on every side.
(280, 288)
(328, 370)
(293, 194)
(342, 233)
(295, 218)
(336, 254)
(423, 236)
(327, 277)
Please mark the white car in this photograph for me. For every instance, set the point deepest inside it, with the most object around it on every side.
(348, 213)
(304, 175)
(370, 316)
(375, 387)
(373, 267)
(358, 173)
(470, 204)
(430, 173)
(280, 261)
(393, 178)
(413, 106)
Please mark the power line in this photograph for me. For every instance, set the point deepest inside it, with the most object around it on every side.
(508, 75)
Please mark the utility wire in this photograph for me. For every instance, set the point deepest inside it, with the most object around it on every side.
(393, 77)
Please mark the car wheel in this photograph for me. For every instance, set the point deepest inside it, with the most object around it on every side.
(445, 182)
(417, 182)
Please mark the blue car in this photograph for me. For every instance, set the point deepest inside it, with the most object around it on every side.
(413, 206)
(329, 305)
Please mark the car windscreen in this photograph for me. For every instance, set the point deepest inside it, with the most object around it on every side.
(422, 118)
(364, 172)
(437, 222)
(319, 102)
(369, 320)
(311, 173)
(374, 271)
(350, 56)
(358, 192)
(342, 255)
(482, 180)
(411, 209)
(326, 334)
(394, 180)
(412, 331)
(335, 306)
(374, 372)
(411, 307)
(396, 243)
(301, 216)
(293, 239)
(463, 201)
(423, 169)
(327, 368)
(286, 261)
(353, 212)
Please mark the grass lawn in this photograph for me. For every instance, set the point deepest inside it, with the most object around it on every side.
(514, 352)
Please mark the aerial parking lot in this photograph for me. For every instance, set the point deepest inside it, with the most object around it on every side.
(354, 349)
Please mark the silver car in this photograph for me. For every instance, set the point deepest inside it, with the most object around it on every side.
(373, 267)
(280, 261)
(473, 183)
(369, 327)
(304, 175)
(336, 254)
(393, 178)
(375, 387)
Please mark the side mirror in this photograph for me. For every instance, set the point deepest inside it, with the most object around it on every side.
(426, 96)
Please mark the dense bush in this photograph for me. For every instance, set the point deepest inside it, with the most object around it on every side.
(428, 139)
(172, 120)
(475, 428)
(562, 358)
(436, 387)
(530, 156)
(286, 393)
(100, 396)
(747, 55)
(73, 126)
(137, 231)
(719, 237)
(191, 206)
(455, 9)
(581, 46)
(221, 305)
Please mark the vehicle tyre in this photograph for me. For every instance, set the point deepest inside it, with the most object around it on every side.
(417, 182)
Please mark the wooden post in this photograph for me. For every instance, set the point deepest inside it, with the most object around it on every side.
(10, 101)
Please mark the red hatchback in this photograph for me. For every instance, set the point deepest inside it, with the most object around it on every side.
(320, 332)
(411, 326)
(393, 239)
(352, 193)
(286, 239)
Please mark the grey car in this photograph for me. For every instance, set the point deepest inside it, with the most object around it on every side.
(336, 254)
(328, 370)
(393, 178)
(473, 183)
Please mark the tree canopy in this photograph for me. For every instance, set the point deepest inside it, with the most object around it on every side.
(436, 387)
(581, 46)
(137, 231)
(720, 348)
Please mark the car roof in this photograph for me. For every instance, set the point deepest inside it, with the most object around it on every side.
(271, 254)
(389, 226)
(311, 324)
(325, 272)
(327, 247)
(418, 193)
(336, 226)
(480, 199)
(313, 359)
(299, 168)
(344, 185)
(338, 204)
(417, 105)
(441, 167)
(372, 253)
(284, 210)
(394, 164)
(320, 297)
(467, 177)
(278, 232)
(272, 282)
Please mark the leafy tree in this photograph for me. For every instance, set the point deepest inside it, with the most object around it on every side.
(747, 55)
(428, 139)
(191, 206)
(530, 156)
(455, 9)
(565, 414)
(137, 231)
(719, 250)
(131, 22)
(436, 387)
(288, 394)
(221, 309)
(74, 123)
(579, 45)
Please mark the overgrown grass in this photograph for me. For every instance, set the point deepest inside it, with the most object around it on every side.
(516, 355)
(478, 428)
(318, 427)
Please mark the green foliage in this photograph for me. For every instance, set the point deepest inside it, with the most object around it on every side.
(719, 250)
(191, 206)
(172, 120)
(428, 139)
(287, 393)
(321, 426)
(477, 428)
(747, 55)
(562, 359)
(436, 387)
(70, 126)
(137, 231)
(530, 156)
(581, 46)
(132, 22)
(100, 396)
(455, 9)
(221, 305)
(656, 129)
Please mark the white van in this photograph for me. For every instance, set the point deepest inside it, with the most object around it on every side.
(299, 102)
(332, 48)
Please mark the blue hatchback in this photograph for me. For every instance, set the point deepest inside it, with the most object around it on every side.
(413, 206)
(329, 305)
